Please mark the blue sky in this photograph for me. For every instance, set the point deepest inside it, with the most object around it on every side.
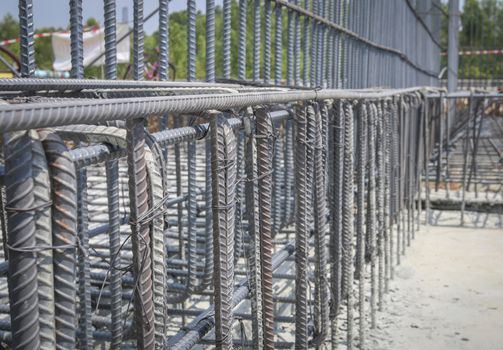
(56, 12)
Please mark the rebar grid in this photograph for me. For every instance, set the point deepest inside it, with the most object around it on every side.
(172, 224)
(113, 254)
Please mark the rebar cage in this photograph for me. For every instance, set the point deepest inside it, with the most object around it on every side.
(255, 214)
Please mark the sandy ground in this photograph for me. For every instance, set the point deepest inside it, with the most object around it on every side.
(447, 293)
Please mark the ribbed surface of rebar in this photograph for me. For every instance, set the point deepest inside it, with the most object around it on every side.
(27, 46)
(191, 40)
(77, 39)
(313, 54)
(252, 215)
(210, 41)
(265, 147)
(337, 157)
(64, 235)
(387, 223)
(381, 230)
(23, 286)
(223, 164)
(320, 227)
(296, 47)
(43, 225)
(302, 231)
(371, 213)
(208, 222)
(267, 41)
(226, 39)
(289, 172)
(256, 39)
(361, 162)
(163, 39)
(290, 48)
(112, 173)
(277, 190)
(138, 40)
(240, 198)
(242, 39)
(191, 215)
(110, 39)
(143, 298)
(278, 45)
(347, 219)
(307, 55)
(158, 247)
(84, 271)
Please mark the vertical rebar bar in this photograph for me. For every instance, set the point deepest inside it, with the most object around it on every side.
(64, 235)
(278, 45)
(223, 165)
(252, 214)
(112, 173)
(43, 226)
(289, 172)
(426, 127)
(361, 162)
(387, 228)
(26, 32)
(22, 281)
(208, 265)
(242, 39)
(110, 40)
(336, 209)
(302, 230)
(265, 144)
(306, 49)
(347, 219)
(256, 40)
(85, 324)
(296, 47)
(76, 39)
(290, 59)
(226, 39)
(140, 235)
(320, 228)
(381, 232)
(371, 211)
(267, 40)
(210, 41)
(191, 40)
(163, 39)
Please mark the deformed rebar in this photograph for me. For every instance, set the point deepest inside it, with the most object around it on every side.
(347, 219)
(140, 238)
(301, 224)
(223, 164)
(361, 164)
(21, 208)
(265, 144)
(64, 236)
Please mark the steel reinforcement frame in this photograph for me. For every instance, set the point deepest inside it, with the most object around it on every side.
(167, 214)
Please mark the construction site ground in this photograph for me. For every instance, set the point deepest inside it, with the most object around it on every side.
(447, 292)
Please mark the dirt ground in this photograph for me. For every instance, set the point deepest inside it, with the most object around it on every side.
(447, 293)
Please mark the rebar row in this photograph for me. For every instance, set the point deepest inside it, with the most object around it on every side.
(464, 170)
(149, 207)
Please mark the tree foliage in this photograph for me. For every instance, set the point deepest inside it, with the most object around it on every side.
(481, 29)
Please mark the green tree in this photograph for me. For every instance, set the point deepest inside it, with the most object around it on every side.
(92, 22)
(9, 29)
